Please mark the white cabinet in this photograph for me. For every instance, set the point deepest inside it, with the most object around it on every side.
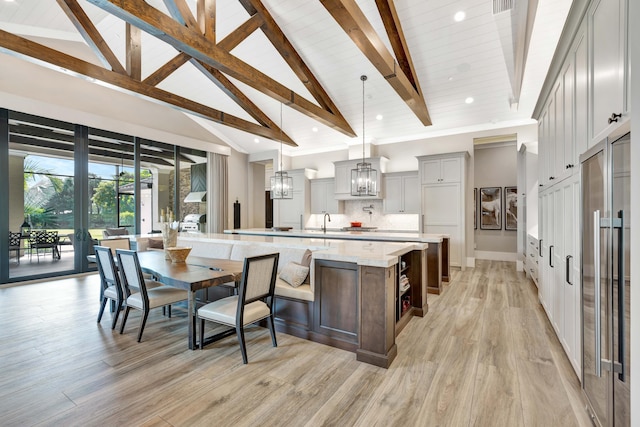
(443, 199)
(440, 170)
(608, 44)
(323, 198)
(559, 263)
(294, 212)
(401, 191)
(342, 183)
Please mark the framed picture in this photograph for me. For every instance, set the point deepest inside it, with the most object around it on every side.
(475, 208)
(491, 208)
(510, 208)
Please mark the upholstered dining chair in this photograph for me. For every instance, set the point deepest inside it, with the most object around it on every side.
(110, 282)
(253, 303)
(113, 244)
(15, 244)
(147, 298)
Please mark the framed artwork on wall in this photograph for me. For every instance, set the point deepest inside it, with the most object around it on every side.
(491, 208)
(510, 208)
(475, 208)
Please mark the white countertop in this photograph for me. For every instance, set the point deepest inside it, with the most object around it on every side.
(345, 235)
(360, 252)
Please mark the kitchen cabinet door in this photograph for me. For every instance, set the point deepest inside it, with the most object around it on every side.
(607, 40)
(401, 192)
(323, 198)
(441, 210)
(430, 170)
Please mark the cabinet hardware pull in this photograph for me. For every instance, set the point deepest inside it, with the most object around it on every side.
(540, 248)
(614, 117)
(566, 272)
(550, 256)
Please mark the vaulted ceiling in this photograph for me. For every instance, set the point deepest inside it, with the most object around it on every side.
(251, 73)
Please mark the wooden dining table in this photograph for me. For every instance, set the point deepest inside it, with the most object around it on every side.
(194, 274)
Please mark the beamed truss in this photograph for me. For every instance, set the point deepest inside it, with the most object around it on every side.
(194, 37)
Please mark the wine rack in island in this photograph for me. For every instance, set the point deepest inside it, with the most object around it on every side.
(408, 288)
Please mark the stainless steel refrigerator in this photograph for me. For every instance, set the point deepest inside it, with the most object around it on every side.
(606, 219)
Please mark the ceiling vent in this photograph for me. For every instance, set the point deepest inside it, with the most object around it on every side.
(500, 6)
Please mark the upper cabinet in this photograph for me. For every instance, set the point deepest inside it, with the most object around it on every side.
(343, 177)
(440, 169)
(608, 47)
(323, 199)
(401, 190)
(589, 99)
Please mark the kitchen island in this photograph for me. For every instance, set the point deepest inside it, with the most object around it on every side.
(357, 301)
(437, 253)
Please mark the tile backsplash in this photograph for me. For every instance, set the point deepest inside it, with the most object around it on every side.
(353, 211)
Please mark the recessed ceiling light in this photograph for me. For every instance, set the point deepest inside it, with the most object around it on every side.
(314, 129)
(379, 117)
(469, 100)
(450, 78)
(459, 16)
(256, 140)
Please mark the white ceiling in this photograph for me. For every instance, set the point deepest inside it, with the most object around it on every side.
(453, 61)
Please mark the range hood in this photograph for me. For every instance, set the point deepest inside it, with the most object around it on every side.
(198, 184)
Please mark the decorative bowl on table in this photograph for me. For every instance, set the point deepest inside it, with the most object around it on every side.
(356, 224)
(178, 253)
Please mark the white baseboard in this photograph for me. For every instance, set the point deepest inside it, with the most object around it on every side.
(471, 262)
(519, 266)
(497, 256)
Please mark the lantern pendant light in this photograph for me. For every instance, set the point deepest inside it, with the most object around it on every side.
(281, 182)
(364, 179)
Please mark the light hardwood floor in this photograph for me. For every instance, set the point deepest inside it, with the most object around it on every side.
(484, 355)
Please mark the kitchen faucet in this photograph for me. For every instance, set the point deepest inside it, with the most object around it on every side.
(324, 221)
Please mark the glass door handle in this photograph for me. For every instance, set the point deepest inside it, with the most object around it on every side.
(621, 298)
(596, 283)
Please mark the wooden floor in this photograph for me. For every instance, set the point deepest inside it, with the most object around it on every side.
(485, 355)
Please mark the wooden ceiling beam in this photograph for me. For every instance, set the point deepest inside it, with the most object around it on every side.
(282, 44)
(207, 18)
(389, 15)
(237, 96)
(133, 40)
(57, 60)
(180, 11)
(238, 35)
(165, 71)
(156, 23)
(353, 21)
(90, 34)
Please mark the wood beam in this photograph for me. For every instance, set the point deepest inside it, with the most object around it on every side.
(278, 39)
(134, 52)
(236, 95)
(392, 26)
(56, 60)
(353, 21)
(180, 11)
(165, 71)
(90, 34)
(207, 18)
(156, 23)
(238, 35)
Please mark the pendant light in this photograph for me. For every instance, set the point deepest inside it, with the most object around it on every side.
(281, 182)
(364, 179)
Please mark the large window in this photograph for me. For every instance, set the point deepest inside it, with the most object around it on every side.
(73, 182)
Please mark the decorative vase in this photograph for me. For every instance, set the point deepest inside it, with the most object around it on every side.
(169, 236)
